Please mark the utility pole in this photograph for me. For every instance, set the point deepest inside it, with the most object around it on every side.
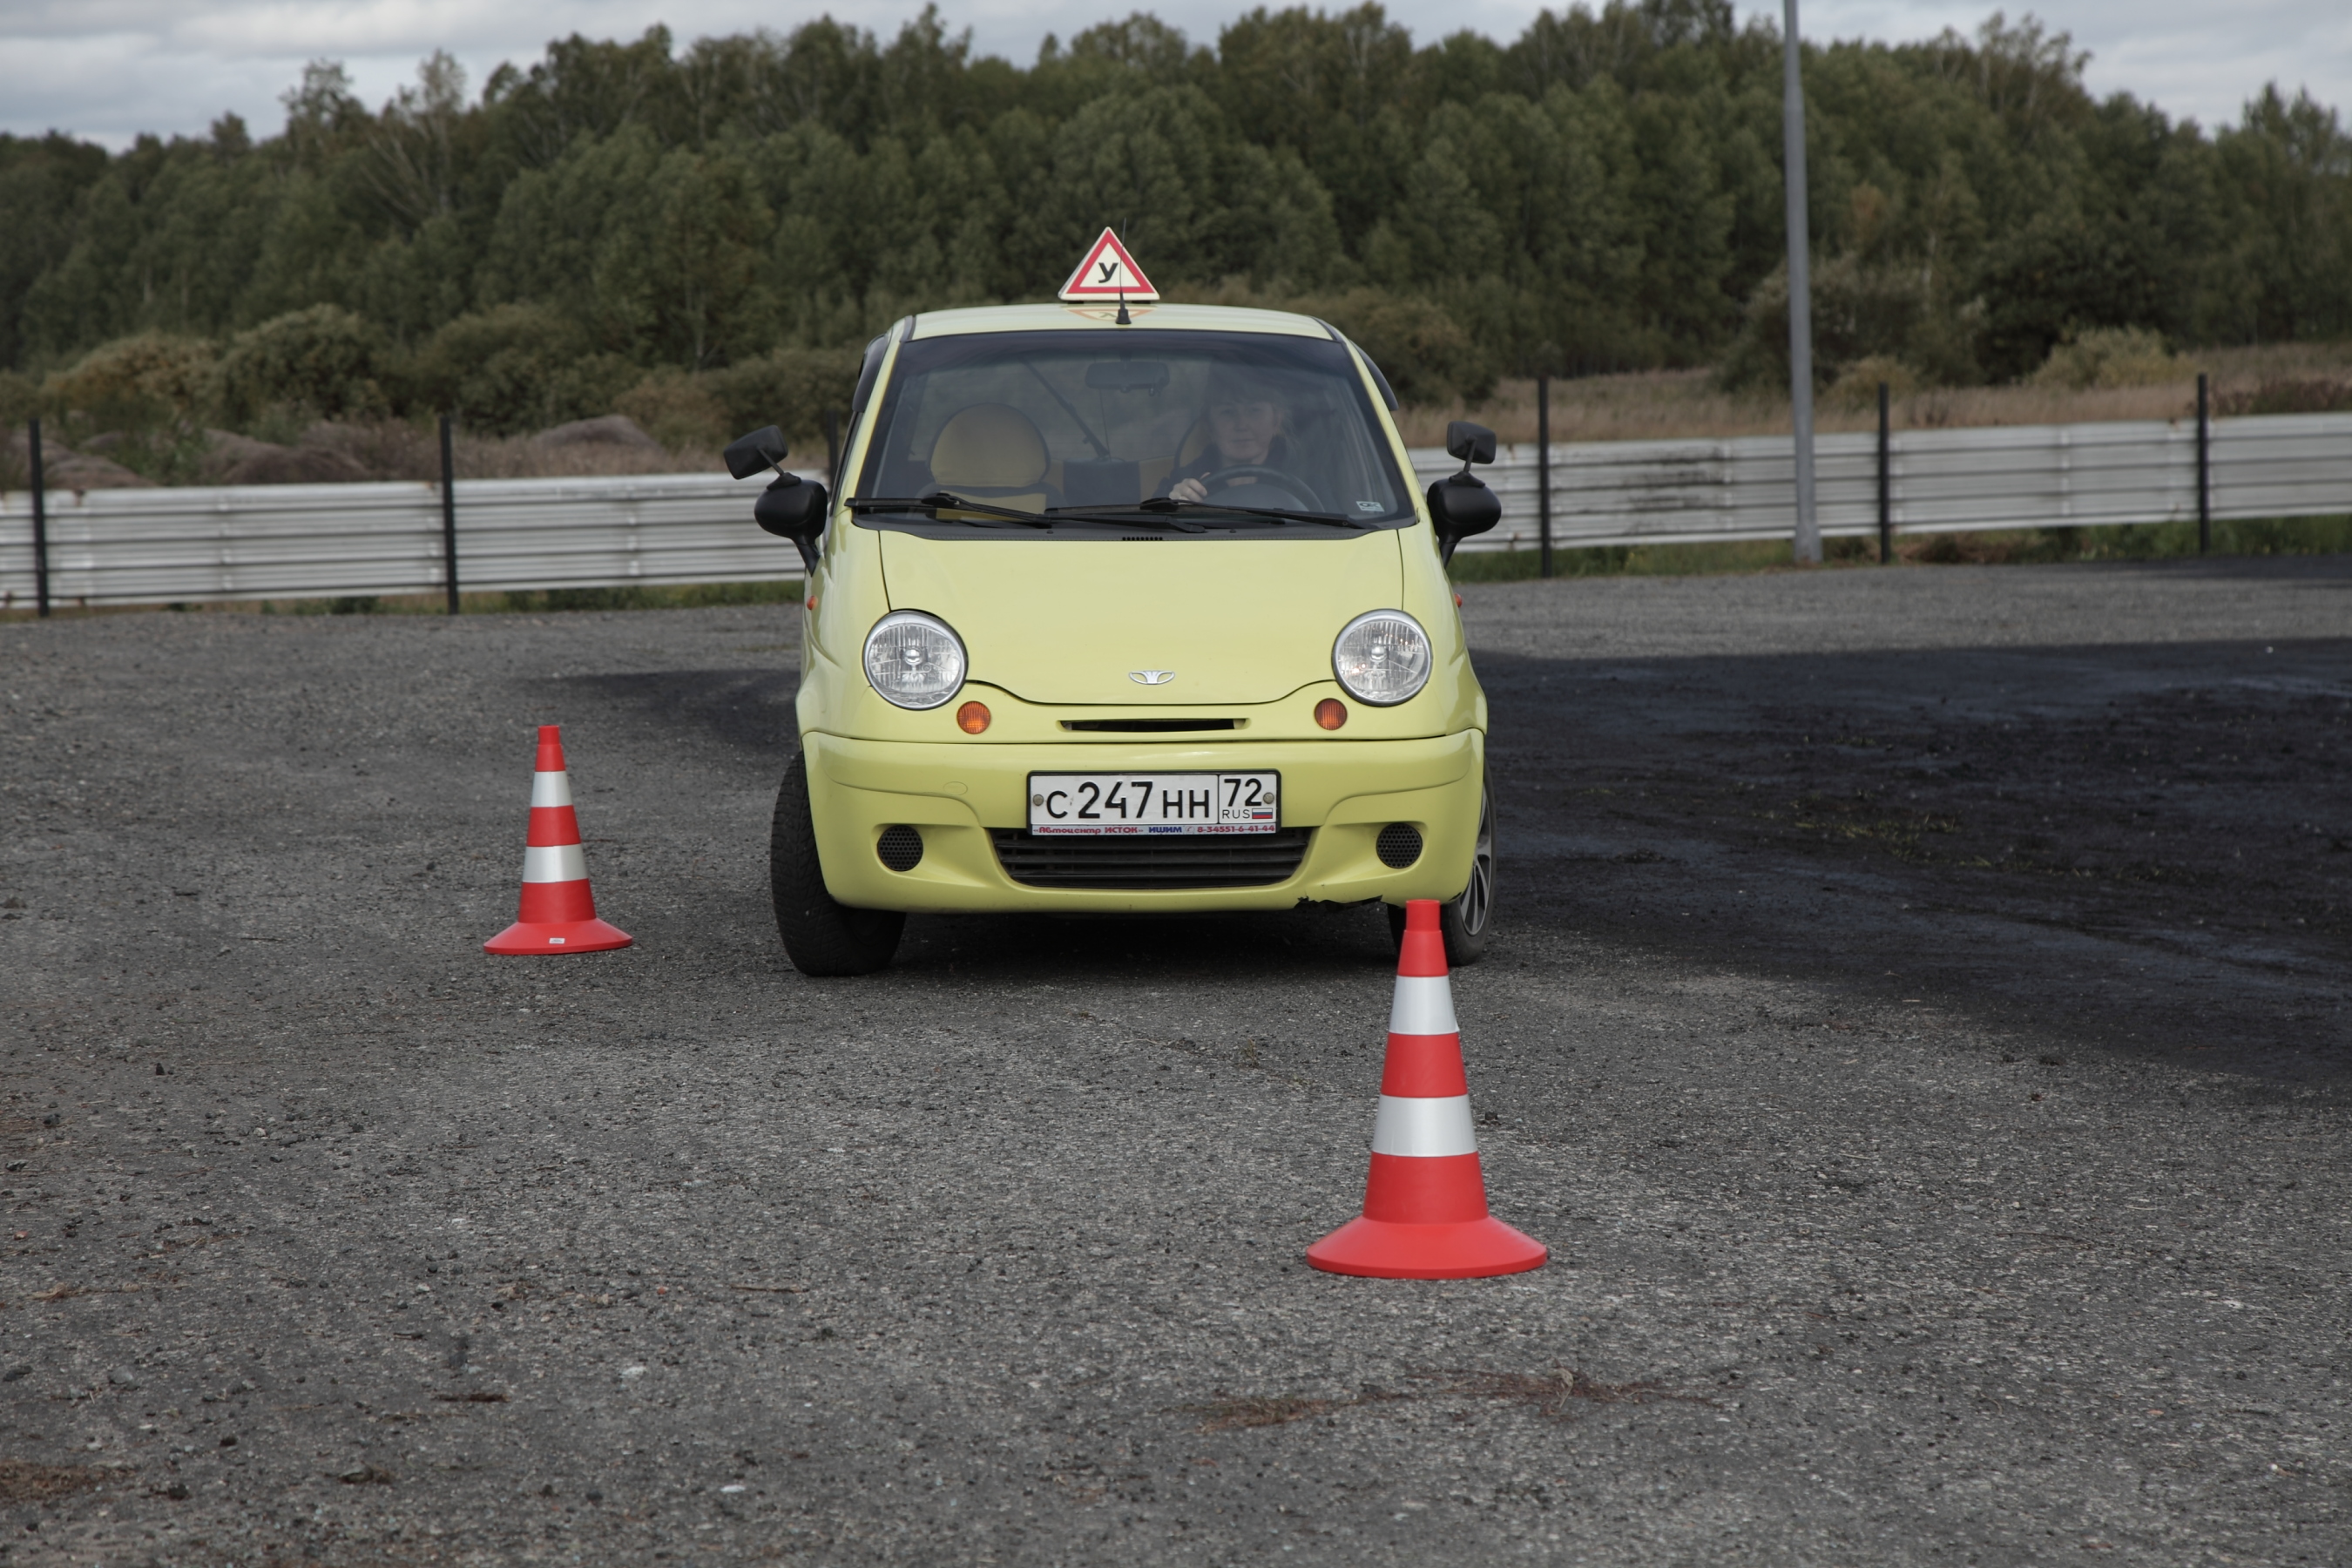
(1543, 466)
(1801, 290)
(448, 515)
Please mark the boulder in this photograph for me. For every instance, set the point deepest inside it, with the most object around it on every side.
(293, 465)
(81, 472)
(225, 450)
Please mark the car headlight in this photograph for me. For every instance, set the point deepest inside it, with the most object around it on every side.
(1382, 657)
(913, 660)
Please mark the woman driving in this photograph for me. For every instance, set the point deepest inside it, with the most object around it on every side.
(1245, 417)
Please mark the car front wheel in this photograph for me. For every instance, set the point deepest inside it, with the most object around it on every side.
(822, 937)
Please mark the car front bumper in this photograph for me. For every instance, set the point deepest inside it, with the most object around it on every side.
(1342, 793)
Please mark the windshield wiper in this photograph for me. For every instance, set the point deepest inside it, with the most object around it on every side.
(1169, 503)
(940, 499)
(1094, 514)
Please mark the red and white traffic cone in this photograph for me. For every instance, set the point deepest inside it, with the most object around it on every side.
(1426, 1203)
(559, 912)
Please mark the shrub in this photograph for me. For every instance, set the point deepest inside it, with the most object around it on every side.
(676, 409)
(322, 363)
(512, 369)
(1857, 388)
(150, 382)
(1860, 313)
(2111, 357)
(20, 399)
(1423, 351)
(1427, 355)
(789, 388)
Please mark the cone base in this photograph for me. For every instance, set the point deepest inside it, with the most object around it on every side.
(558, 936)
(1467, 1249)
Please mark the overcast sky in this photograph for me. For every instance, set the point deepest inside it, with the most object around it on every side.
(108, 70)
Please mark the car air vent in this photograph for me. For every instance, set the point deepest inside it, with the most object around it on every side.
(901, 848)
(1399, 846)
(1141, 537)
(1149, 726)
(1156, 860)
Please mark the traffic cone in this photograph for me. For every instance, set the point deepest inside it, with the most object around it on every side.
(559, 913)
(1426, 1203)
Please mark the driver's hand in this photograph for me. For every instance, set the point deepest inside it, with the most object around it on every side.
(1188, 490)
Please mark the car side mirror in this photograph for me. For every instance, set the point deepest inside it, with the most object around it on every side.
(1460, 505)
(763, 448)
(793, 508)
(1471, 442)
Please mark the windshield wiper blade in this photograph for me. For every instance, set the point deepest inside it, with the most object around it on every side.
(941, 500)
(1169, 503)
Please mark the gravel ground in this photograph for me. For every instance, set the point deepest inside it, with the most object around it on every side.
(1917, 1024)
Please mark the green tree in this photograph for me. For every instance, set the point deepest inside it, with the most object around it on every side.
(1603, 190)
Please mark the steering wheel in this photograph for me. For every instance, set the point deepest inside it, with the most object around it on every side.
(1243, 475)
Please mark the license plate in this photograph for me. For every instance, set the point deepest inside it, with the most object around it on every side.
(1154, 803)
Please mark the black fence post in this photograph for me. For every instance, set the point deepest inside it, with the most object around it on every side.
(2204, 469)
(448, 514)
(833, 447)
(40, 520)
(1543, 466)
(1885, 485)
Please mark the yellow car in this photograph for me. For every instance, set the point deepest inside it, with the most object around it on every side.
(1137, 614)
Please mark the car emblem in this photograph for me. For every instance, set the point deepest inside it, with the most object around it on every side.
(1151, 676)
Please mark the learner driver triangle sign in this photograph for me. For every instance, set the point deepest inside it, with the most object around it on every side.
(1108, 272)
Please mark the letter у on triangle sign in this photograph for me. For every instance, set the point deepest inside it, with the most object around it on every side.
(1108, 274)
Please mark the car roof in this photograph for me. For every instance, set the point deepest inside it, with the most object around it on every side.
(1179, 318)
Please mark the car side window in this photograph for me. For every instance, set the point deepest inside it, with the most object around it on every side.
(867, 374)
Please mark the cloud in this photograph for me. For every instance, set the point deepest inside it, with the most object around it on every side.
(108, 70)
(2189, 57)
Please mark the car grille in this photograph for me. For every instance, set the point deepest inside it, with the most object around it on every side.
(1148, 726)
(1161, 860)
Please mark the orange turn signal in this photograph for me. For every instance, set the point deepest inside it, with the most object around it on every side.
(1330, 712)
(973, 718)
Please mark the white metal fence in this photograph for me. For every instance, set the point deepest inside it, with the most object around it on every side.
(286, 542)
(1939, 482)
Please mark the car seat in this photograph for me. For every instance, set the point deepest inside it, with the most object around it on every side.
(992, 452)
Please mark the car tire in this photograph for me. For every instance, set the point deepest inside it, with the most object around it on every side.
(1468, 919)
(821, 936)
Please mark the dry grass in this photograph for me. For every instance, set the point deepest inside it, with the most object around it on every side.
(393, 451)
(1670, 405)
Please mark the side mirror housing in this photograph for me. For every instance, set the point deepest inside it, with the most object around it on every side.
(1459, 506)
(793, 508)
(1470, 443)
(763, 448)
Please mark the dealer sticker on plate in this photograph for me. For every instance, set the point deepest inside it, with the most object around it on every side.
(1154, 803)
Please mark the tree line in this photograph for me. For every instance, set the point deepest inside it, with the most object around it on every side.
(723, 221)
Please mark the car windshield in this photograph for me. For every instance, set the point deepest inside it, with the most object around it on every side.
(1067, 434)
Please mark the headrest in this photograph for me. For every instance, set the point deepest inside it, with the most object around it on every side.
(990, 446)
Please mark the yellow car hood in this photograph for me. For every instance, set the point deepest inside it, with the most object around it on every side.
(1067, 621)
